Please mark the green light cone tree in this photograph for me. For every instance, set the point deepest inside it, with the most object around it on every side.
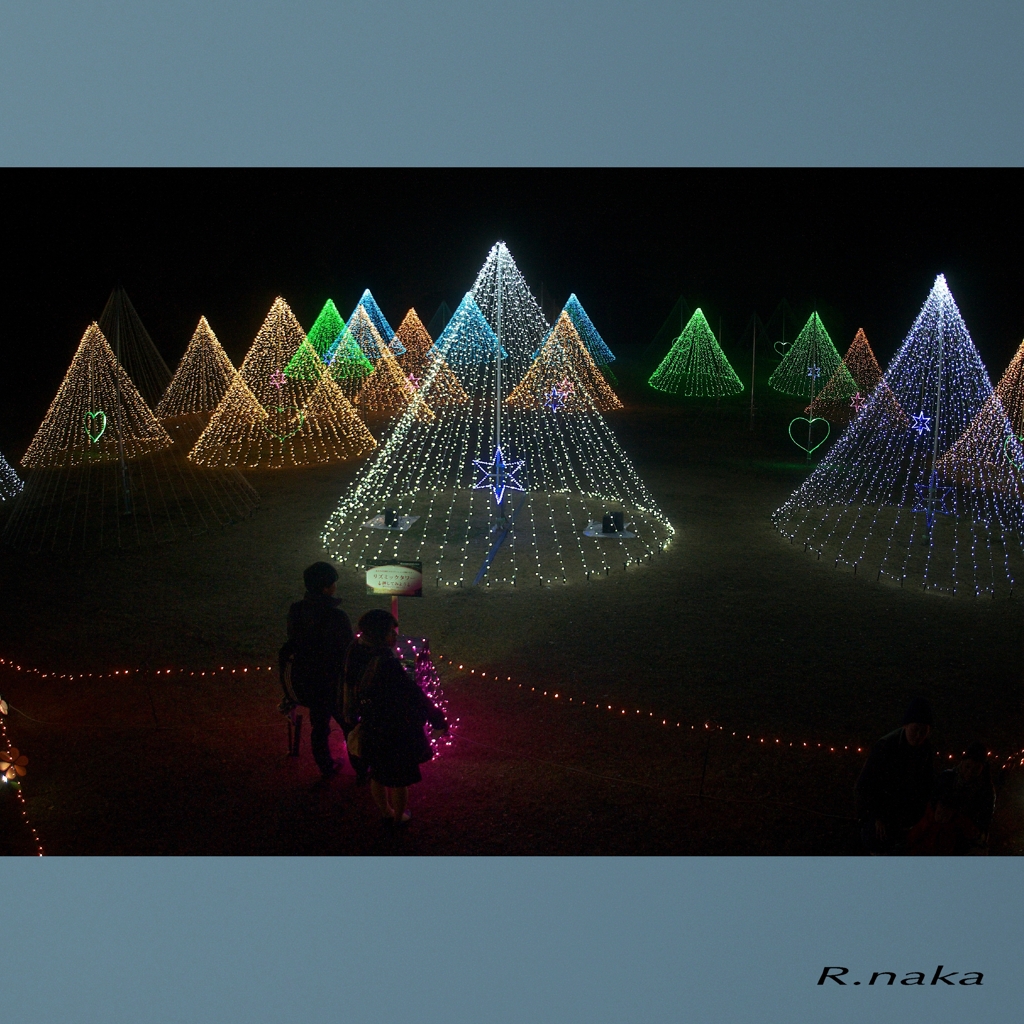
(810, 362)
(695, 366)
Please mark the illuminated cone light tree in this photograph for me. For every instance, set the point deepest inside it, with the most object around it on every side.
(270, 419)
(1010, 390)
(599, 351)
(369, 308)
(564, 376)
(923, 485)
(105, 472)
(489, 492)
(420, 354)
(860, 364)
(201, 379)
(10, 482)
(500, 288)
(810, 362)
(388, 391)
(695, 365)
(326, 330)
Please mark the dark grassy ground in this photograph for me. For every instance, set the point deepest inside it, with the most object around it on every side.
(732, 624)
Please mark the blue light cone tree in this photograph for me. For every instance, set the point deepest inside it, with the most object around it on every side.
(923, 487)
(595, 345)
(695, 365)
(495, 503)
(380, 324)
(10, 483)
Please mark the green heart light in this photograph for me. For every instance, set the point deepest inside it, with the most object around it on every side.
(1014, 461)
(290, 434)
(810, 424)
(90, 419)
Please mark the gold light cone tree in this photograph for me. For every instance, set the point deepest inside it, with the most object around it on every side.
(263, 368)
(104, 472)
(1010, 390)
(97, 414)
(419, 358)
(388, 391)
(201, 379)
(269, 419)
(832, 402)
(564, 376)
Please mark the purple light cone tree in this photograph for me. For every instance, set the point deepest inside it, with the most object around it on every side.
(924, 486)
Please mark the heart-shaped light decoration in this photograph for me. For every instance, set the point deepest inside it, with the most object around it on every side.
(284, 423)
(1011, 453)
(809, 424)
(784, 349)
(92, 420)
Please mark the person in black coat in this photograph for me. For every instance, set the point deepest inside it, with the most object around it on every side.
(959, 816)
(319, 635)
(391, 711)
(896, 782)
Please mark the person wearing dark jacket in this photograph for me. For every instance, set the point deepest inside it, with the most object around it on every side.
(319, 634)
(392, 711)
(960, 815)
(896, 782)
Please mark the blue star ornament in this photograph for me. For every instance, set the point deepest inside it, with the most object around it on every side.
(498, 475)
(814, 372)
(556, 400)
(920, 423)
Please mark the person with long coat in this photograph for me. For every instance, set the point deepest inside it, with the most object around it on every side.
(391, 711)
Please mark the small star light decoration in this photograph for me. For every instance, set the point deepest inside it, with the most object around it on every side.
(12, 764)
(414, 381)
(498, 475)
(814, 372)
(920, 423)
(857, 402)
(277, 378)
(555, 401)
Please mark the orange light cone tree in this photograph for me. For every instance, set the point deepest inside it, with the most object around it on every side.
(564, 377)
(833, 402)
(419, 359)
(1010, 390)
(388, 391)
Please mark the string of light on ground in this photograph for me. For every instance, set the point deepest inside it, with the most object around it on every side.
(13, 768)
(1011, 760)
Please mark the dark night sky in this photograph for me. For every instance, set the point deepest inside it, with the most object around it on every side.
(861, 246)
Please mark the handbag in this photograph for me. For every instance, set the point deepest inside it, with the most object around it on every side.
(354, 741)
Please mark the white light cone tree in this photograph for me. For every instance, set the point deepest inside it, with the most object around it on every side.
(10, 483)
(492, 493)
(923, 487)
(500, 286)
